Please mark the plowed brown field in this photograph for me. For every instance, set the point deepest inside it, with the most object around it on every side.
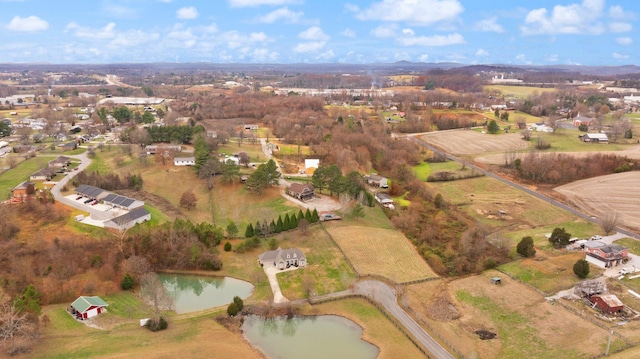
(469, 142)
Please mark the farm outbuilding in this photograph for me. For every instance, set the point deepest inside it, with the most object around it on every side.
(607, 303)
(496, 280)
(88, 307)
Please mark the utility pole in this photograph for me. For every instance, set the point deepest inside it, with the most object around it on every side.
(606, 353)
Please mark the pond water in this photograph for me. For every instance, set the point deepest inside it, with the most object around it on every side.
(192, 293)
(309, 337)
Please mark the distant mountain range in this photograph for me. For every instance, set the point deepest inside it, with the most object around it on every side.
(337, 68)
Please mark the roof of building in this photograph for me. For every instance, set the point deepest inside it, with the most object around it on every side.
(281, 254)
(594, 244)
(61, 159)
(383, 196)
(122, 201)
(89, 191)
(83, 303)
(610, 299)
(23, 185)
(300, 187)
(130, 216)
(612, 248)
(375, 177)
(190, 159)
(45, 172)
(598, 136)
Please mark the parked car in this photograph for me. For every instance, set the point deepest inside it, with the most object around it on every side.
(89, 200)
(78, 198)
(596, 238)
(329, 217)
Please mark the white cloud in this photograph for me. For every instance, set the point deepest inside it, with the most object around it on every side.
(489, 25)
(617, 12)
(281, 14)
(423, 58)
(133, 38)
(385, 31)
(311, 46)
(482, 53)
(27, 24)
(624, 40)
(106, 32)
(619, 56)
(235, 39)
(187, 13)
(253, 3)
(119, 11)
(435, 40)
(522, 59)
(420, 12)
(571, 19)
(314, 33)
(552, 58)
(348, 33)
(619, 27)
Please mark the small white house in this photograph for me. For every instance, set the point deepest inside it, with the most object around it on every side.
(184, 161)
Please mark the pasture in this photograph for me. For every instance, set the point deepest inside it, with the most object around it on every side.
(13, 177)
(394, 256)
(521, 92)
(527, 325)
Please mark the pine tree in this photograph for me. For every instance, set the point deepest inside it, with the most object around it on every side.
(248, 233)
(279, 224)
(286, 224)
(314, 216)
(299, 217)
(272, 226)
(307, 215)
(258, 230)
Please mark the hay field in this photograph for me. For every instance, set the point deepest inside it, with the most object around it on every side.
(526, 324)
(464, 142)
(382, 252)
(518, 91)
(632, 152)
(617, 193)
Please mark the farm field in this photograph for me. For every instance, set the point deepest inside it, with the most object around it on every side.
(464, 142)
(484, 197)
(394, 256)
(20, 173)
(521, 92)
(607, 194)
(526, 324)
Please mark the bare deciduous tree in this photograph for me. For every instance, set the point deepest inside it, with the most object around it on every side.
(152, 289)
(609, 221)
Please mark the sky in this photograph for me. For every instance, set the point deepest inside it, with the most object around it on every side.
(516, 32)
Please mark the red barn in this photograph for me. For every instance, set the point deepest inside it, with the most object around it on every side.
(607, 303)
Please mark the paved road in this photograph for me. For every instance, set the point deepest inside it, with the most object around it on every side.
(518, 186)
(386, 296)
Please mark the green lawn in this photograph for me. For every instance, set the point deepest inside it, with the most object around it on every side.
(568, 141)
(632, 244)
(20, 173)
(521, 92)
(422, 171)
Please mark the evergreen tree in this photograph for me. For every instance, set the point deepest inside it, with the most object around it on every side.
(307, 215)
(525, 247)
(581, 268)
(248, 233)
(493, 127)
(272, 226)
(127, 282)
(258, 230)
(314, 216)
(299, 217)
(279, 224)
(29, 301)
(239, 302)
(286, 224)
(559, 237)
(232, 229)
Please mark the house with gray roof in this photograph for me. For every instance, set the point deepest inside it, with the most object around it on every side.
(129, 219)
(283, 258)
(377, 181)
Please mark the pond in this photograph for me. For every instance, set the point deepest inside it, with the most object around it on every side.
(325, 336)
(192, 293)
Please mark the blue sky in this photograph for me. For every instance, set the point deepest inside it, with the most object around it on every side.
(540, 32)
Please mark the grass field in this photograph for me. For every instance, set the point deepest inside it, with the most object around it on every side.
(527, 325)
(292, 150)
(521, 92)
(484, 197)
(327, 270)
(568, 141)
(632, 244)
(20, 173)
(394, 256)
(549, 272)
(464, 142)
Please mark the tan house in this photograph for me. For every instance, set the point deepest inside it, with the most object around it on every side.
(303, 192)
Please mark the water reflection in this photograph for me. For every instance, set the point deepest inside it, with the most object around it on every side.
(326, 336)
(192, 293)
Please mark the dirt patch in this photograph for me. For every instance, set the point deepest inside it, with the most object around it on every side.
(442, 309)
(485, 334)
(469, 142)
(607, 194)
